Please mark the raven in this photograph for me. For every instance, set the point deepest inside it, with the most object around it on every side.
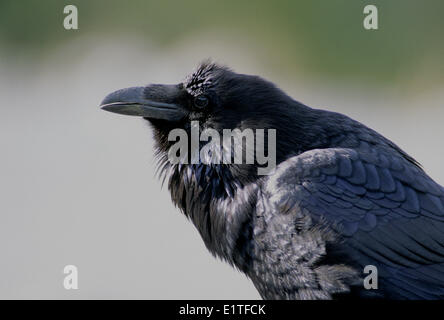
(342, 196)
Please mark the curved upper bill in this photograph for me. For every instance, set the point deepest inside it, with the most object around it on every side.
(131, 102)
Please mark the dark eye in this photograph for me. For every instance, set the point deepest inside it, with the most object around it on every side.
(201, 101)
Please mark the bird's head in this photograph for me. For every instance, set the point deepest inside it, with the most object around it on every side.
(214, 97)
(218, 99)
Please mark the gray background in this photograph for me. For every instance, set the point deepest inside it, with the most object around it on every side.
(77, 184)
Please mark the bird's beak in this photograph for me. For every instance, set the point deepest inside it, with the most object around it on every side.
(133, 102)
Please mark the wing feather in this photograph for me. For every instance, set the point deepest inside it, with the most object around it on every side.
(387, 210)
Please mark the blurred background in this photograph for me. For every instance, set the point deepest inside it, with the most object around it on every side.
(77, 184)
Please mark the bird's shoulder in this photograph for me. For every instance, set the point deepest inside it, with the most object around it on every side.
(356, 188)
(387, 211)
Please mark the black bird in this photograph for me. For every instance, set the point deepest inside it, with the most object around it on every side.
(342, 196)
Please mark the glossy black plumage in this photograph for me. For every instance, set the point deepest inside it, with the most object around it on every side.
(342, 196)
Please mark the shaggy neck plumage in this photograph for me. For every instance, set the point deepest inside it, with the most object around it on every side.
(219, 199)
(218, 204)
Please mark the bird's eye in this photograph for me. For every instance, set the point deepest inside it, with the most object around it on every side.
(201, 101)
